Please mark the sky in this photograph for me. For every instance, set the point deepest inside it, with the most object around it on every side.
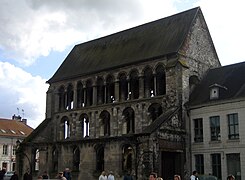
(37, 35)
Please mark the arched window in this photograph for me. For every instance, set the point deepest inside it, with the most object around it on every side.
(128, 158)
(55, 160)
(36, 162)
(105, 123)
(134, 85)
(100, 91)
(84, 125)
(110, 89)
(160, 81)
(123, 87)
(128, 122)
(66, 128)
(155, 111)
(148, 83)
(89, 93)
(100, 158)
(70, 94)
(76, 159)
(61, 98)
(80, 95)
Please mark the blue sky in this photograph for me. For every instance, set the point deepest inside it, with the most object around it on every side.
(37, 35)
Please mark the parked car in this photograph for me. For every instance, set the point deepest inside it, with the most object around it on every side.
(207, 177)
(8, 175)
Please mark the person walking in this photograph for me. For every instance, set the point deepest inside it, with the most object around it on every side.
(61, 176)
(14, 176)
(177, 177)
(230, 177)
(128, 176)
(103, 176)
(2, 173)
(194, 175)
(111, 176)
(45, 175)
(153, 176)
(67, 174)
(27, 176)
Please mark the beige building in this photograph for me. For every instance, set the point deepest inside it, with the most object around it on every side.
(117, 103)
(217, 114)
(11, 130)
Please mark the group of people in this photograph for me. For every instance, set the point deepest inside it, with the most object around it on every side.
(153, 176)
(64, 175)
(104, 176)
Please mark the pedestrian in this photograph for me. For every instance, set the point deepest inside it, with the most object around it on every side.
(67, 173)
(230, 177)
(194, 175)
(153, 176)
(2, 173)
(60, 176)
(128, 176)
(45, 175)
(14, 176)
(159, 178)
(111, 176)
(177, 177)
(27, 176)
(103, 176)
(39, 177)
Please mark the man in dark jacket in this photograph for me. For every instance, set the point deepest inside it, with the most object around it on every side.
(2, 173)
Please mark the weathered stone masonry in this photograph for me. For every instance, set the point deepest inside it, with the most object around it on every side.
(126, 114)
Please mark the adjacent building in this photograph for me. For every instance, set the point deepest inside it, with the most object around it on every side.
(11, 131)
(217, 111)
(118, 103)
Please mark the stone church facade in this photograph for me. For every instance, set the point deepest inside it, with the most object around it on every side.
(117, 103)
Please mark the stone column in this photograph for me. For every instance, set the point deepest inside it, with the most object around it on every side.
(155, 85)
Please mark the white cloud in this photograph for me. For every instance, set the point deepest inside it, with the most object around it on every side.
(30, 29)
(20, 89)
(227, 27)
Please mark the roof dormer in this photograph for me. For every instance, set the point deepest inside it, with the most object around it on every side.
(215, 91)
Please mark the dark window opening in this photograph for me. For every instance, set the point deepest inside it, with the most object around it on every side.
(89, 93)
(123, 87)
(155, 111)
(110, 90)
(100, 91)
(80, 95)
(134, 86)
(105, 123)
(100, 159)
(70, 94)
(160, 81)
(198, 130)
(128, 124)
(148, 83)
(76, 159)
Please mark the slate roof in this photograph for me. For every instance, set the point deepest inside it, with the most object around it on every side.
(14, 128)
(145, 42)
(230, 79)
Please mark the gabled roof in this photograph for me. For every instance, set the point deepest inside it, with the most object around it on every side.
(145, 42)
(230, 79)
(14, 128)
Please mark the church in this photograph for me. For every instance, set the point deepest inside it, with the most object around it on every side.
(118, 103)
